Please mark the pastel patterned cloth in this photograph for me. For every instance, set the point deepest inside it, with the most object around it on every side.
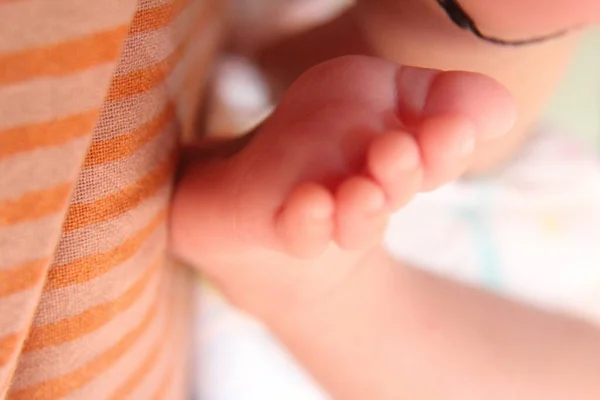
(529, 231)
(94, 98)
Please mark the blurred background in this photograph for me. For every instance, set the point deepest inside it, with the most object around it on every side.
(576, 105)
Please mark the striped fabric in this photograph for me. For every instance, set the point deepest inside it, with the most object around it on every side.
(94, 96)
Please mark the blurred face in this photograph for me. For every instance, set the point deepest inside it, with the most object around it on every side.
(522, 21)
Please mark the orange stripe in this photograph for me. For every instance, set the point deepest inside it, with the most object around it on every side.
(124, 391)
(142, 80)
(46, 134)
(158, 17)
(63, 58)
(88, 268)
(62, 386)
(125, 199)
(23, 277)
(34, 205)
(69, 329)
(8, 345)
(123, 146)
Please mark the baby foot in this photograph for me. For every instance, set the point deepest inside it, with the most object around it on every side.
(353, 140)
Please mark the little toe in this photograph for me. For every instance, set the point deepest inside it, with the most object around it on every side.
(393, 160)
(361, 213)
(305, 222)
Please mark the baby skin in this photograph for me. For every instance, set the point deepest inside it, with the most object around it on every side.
(285, 219)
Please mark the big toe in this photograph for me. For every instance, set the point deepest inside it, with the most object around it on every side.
(425, 93)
